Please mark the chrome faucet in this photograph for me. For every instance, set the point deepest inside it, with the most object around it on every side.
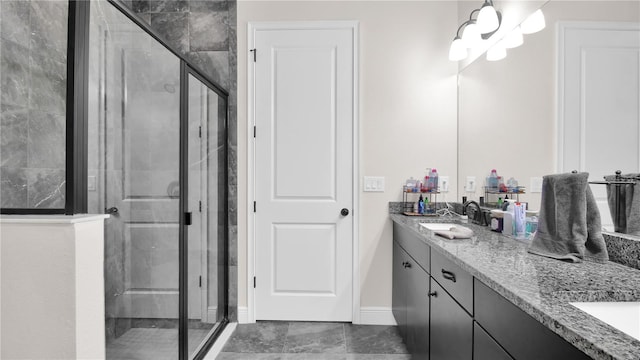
(477, 214)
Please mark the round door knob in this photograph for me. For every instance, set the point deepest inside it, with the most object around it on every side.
(344, 212)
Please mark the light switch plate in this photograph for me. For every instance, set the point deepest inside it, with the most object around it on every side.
(470, 185)
(374, 184)
(536, 185)
(443, 183)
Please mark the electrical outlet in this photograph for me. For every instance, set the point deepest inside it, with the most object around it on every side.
(470, 184)
(443, 183)
(536, 185)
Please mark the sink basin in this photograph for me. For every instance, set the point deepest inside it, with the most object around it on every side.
(624, 316)
(438, 226)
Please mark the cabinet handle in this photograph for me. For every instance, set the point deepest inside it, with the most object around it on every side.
(433, 293)
(407, 265)
(449, 275)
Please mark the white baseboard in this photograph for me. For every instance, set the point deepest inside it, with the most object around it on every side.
(373, 315)
(376, 315)
(243, 315)
(220, 342)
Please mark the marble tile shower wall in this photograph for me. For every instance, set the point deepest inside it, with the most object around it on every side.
(33, 52)
(205, 31)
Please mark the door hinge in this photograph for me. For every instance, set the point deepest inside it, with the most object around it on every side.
(254, 282)
(200, 281)
(254, 131)
(199, 131)
(254, 206)
(200, 206)
(254, 51)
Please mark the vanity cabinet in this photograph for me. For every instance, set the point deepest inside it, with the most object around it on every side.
(410, 294)
(444, 313)
(522, 336)
(451, 327)
(485, 347)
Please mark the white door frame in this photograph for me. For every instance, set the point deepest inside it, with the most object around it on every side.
(560, 90)
(306, 25)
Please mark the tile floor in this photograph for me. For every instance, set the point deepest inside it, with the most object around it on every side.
(151, 343)
(275, 340)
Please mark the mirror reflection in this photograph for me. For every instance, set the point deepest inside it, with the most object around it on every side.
(567, 99)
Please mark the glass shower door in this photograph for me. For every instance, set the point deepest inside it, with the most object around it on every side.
(207, 203)
(134, 172)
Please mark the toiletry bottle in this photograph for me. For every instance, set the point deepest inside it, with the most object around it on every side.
(519, 220)
(493, 180)
(499, 202)
(421, 205)
(434, 180)
(427, 210)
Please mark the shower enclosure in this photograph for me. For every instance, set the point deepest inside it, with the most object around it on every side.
(157, 165)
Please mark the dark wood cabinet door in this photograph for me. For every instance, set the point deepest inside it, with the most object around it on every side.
(485, 348)
(399, 286)
(451, 327)
(418, 311)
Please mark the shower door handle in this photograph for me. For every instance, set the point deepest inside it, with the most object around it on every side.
(112, 210)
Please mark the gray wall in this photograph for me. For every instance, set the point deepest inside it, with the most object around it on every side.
(205, 31)
(33, 47)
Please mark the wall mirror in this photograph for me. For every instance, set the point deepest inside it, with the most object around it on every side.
(531, 114)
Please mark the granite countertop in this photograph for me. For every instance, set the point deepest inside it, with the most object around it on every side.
(543, 287)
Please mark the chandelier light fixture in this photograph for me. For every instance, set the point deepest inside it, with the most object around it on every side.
(475, 30)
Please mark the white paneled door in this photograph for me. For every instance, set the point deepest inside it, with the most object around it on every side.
(304, 116)
(599, 102)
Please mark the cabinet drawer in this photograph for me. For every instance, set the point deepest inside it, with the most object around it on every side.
(415, 247)
(452, 278)
(522, 336)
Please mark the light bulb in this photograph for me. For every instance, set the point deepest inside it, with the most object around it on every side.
(497, 52)
(471, 35)
(487, 19)
(534, 23)
(458, 50)
(513, 39)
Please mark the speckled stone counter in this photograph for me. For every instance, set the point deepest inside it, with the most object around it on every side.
(543, 287)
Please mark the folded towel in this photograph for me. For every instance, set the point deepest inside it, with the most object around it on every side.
(569, 222)
(628, 205)
(456, 232)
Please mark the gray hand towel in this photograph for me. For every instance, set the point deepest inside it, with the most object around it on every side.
(628, 220)
(569, 223)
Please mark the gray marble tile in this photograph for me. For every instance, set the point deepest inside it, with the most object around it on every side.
(14, 21)
(233, 11)
(174, 28)
(261, 337)
(14, 77)
(304, 337)
(373, 339)
(13, 188)
(245, 356)
(215, 64)
(49, 28)
(46, 143)
(156, 6)
(208, 5)
(312, 356)
(208, 31)
(46, 188)
(378, 356)
(14, 121)
(140, 6)
(233, 244)
(232, 291)
(47, 84)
